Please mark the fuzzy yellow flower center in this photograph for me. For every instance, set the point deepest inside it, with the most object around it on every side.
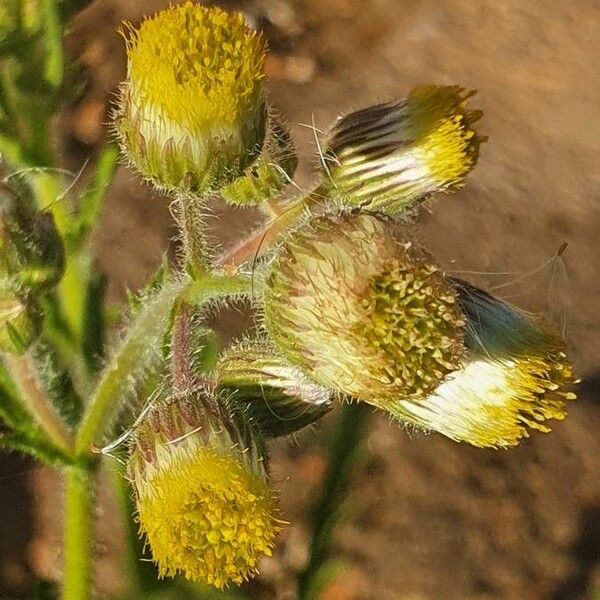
(197, 64)
(412, 319)
(206, 516)
(448, 151)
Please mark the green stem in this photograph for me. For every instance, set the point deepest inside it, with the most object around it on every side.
(138, 349)
(194, 240)
(261, 240)
(343, 455)
(78, 541)
(38, 404)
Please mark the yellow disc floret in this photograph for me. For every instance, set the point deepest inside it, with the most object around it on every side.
(197, 65)
(448, 151)
(412, 321)
(192, 112)
(201, 489)
(206, 516)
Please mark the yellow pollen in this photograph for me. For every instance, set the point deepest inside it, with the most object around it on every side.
(413, 323)
(449, 151)
(196, 65)
(206, 516)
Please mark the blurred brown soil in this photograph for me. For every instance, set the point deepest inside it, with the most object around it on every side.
(427, 519)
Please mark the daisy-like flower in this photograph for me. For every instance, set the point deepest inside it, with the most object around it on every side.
(192, 115)
(390, 156)
(363, 311)
(201, 489)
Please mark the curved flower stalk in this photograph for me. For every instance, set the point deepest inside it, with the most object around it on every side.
(201, 489)
(192, 114)
(514, 378)
(390, 156)
(363, 311)
(275, 395)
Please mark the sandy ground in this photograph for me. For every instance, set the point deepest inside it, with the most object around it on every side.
(428, 519)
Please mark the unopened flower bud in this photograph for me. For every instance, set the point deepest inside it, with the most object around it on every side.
(31, 250)
(513, 378)
(390, 156)
(201, 490)
(270, 172)
(192, 112)
(275, 395)
(20, 322)
(362, 311)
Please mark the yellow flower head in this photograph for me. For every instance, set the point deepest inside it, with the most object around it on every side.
(512, 379)
(362, 311)
(192, 112)
(202, 494)
(390, 156)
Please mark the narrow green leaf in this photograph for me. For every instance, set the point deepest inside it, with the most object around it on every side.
(54, 67)
(34, 446)
(91, 201)
(94, 324)
(323, 576)
(343, 454)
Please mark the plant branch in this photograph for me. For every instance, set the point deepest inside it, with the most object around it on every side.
(144, 337)
(38, 403)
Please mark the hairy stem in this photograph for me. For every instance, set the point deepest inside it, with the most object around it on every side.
(78, 551)
(145, 335)
(181, 349)
(36, 401)
(261, 240)
(194, 241)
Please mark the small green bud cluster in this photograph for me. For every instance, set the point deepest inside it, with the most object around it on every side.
(31, 263)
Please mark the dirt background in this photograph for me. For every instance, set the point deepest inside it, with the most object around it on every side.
(427, 519)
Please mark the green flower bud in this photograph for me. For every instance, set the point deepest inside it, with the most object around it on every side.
(273, 394)
(512, 379)
(20, 323)
(201, 490)
(192, 113)
(390, 156)
(31, 250)
(363, 311)
(269, 173)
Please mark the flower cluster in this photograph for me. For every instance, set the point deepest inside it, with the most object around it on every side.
(352, 308)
